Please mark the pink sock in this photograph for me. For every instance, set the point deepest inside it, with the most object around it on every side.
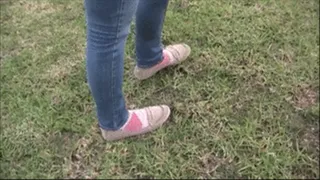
(136, 122)
(165, 61)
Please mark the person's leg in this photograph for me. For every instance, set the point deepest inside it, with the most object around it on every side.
(108, 23)
(149, 22)
(151, 57)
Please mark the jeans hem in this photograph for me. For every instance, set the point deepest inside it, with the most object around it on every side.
(115, 128)
(151, 64)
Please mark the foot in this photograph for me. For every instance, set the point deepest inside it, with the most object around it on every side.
(172, 55)
(140, 121)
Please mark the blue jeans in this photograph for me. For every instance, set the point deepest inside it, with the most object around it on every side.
(108, 24)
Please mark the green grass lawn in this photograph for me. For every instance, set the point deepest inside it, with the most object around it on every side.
(244, 105)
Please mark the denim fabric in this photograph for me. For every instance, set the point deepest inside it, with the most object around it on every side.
(108, 24)
(149, 20)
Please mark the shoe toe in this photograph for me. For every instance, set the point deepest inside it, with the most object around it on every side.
(157, 115)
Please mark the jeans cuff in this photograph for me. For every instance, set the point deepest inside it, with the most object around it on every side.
(123, 121)
(150, 63)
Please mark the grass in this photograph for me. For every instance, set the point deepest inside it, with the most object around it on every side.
(245, 104)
